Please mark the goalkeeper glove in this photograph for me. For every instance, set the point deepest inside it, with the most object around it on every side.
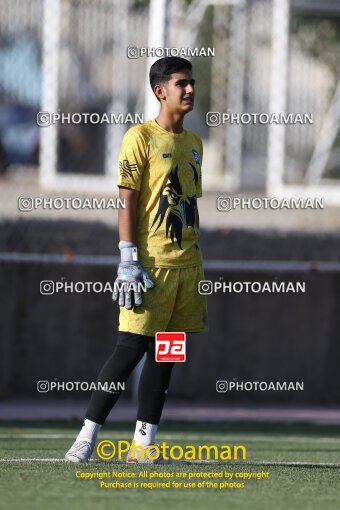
(130, 278)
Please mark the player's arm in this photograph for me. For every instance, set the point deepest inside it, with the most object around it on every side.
(127, 287)
(132, 279)
(127, 216)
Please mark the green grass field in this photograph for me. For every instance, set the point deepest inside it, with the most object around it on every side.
(302, 461)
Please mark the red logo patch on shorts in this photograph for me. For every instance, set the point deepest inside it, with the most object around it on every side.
(170, 347)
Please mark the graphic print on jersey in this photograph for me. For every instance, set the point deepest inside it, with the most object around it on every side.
(180, 209)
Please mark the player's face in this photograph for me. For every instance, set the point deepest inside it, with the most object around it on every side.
(179, 92)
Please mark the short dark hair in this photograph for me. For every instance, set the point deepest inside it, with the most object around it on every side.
(163, 68)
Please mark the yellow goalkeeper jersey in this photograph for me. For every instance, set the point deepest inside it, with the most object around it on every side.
(166, 170)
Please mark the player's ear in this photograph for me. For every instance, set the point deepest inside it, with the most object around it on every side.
(159, 91)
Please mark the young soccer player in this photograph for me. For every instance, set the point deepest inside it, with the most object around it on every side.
(160, 180)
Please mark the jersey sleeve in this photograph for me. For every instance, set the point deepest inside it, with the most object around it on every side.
(199, 184)
(132, 160)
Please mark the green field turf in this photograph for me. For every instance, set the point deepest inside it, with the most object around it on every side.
(302, 461)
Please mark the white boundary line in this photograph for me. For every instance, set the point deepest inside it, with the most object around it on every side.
(225, 438)
(266, 266)
(228, 463)
(33, 460)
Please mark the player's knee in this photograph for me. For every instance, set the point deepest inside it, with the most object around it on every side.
(132, 341)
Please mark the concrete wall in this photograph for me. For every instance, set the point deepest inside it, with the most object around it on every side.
(253, 337)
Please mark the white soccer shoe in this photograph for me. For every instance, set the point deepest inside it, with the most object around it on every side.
(152, 453)
(80, 451)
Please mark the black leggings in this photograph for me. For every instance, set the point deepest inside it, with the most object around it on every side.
(153, 383)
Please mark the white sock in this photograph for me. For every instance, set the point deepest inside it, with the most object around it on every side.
(89, 431)
(145, 433)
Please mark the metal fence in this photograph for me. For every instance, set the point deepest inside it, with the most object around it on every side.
(71, 57)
